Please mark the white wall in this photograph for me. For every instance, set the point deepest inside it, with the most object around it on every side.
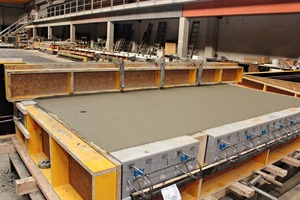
(252, 36)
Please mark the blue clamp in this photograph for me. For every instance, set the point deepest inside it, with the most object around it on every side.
(281, 126)
(292, 122)
(184, 158)
(136, 173)
(264, 132)
(223, 146)
(248, 137)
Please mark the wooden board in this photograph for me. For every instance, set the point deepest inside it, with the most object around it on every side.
(80, 179)
(46, 146)
(252, 84)
(276, 170)
(176, 77)
(94, 81)
(33, 81)
(291, 161)
(241, 189)
(23, 85)
(272, 81)
(278, 91)
(229, 75)
(26, 185)
(208, 76)
(23, 172)
(136, 79)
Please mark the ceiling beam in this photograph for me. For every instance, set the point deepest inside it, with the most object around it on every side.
(15, 1)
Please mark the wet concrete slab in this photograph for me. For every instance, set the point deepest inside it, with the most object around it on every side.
(115, 121)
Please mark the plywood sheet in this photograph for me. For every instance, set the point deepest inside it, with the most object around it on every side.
(134, 79)
(37, 84)
(93, 81)
(176, 77)
(80, 179)
(208, 75)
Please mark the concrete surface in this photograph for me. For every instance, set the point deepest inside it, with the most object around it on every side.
(5, 163)
(30, 56)
(120, 120)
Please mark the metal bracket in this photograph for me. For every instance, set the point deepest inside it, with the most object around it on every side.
(200, 72)
(122, 71)
(162, 73)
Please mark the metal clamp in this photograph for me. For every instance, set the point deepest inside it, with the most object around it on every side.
(145, 177)
(188, 172)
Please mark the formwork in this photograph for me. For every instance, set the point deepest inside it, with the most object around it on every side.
(94, 141)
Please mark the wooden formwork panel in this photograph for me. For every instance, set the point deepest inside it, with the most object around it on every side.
(177, 77)
(80, 179)
(209, 76)
(229, 75)
(252, 84)
(71, 175)
(33, 81)
(135, 79)
(38, 84)
(94, 81)
(278, 91)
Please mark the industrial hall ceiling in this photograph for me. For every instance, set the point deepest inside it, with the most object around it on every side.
(15, 1)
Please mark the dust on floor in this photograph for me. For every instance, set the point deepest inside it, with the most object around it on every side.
(7, 186)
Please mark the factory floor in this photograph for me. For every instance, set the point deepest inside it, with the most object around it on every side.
(30, 56)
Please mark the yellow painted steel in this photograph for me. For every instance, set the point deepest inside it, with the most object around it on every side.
(59, 164)
(36, 159)
(105, 186)
(192, 76)
(7, 87)
(218, 75)
(69, 84)
(64, 143)
(193, 189)
(157, 80)
(35, 141)
(67, 192)
(80, 150)
(117, 80)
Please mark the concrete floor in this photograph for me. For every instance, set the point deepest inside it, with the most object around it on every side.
(121, 120)
(30, 56)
